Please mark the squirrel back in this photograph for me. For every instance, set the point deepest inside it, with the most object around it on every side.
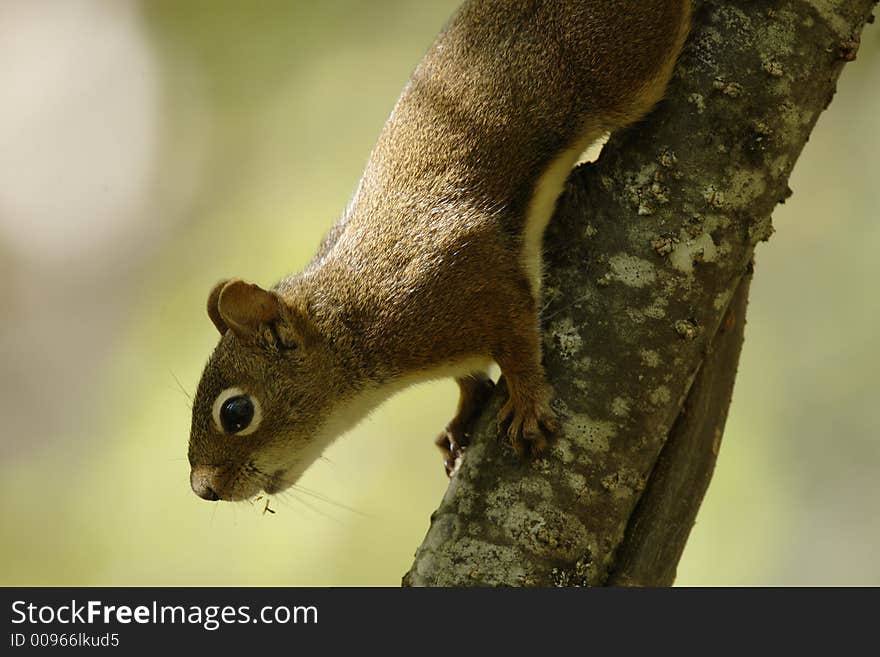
(434, 269)
(513, 91)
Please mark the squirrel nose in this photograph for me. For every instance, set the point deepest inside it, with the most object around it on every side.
(202, 481)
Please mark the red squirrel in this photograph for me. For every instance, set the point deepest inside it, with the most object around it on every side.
(434, 269)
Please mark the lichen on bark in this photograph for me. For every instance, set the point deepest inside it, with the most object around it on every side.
(647, 255)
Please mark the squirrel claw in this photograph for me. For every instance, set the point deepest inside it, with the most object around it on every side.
(527, 429)
(474, 390)
(452, 446)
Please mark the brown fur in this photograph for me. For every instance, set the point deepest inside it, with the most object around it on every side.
(424, 275)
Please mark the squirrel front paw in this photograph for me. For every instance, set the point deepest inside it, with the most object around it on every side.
(474, 390)
(528, 423)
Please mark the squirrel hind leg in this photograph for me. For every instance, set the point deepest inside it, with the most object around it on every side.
(473, 392)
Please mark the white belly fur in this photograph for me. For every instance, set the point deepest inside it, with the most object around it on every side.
(543, 204)
(358, 407)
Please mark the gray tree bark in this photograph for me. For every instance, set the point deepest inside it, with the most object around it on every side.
(648, 265)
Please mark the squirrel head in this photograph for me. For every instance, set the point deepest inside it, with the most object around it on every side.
(263, 397)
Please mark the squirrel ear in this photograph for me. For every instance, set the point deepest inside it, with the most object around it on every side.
(242, 307)
(214, 307)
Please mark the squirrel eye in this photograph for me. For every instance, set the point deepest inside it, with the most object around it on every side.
(236, 412)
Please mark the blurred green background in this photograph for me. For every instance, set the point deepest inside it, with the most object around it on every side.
(149, 149)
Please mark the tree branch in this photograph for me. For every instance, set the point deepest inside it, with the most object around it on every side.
(659, 527)
(648, 253)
